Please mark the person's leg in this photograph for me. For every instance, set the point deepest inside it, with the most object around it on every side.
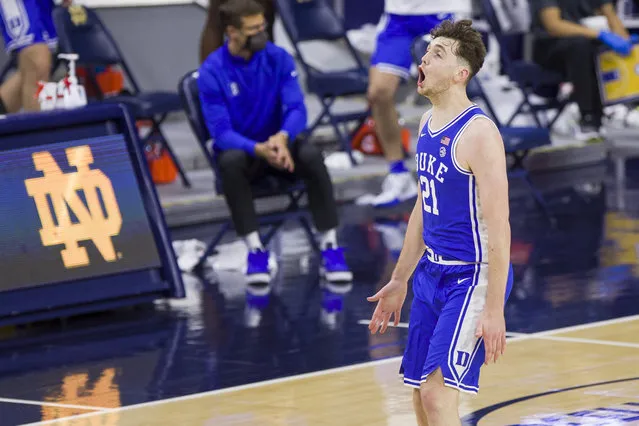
(382, 88)
(28, 40)
(420, 413)
(236, 168)
(34, 65)
(455, 354)
(566, 56)
(440, 402)
(390, 65)
(11, 94)
(423, 319)
(309, 165)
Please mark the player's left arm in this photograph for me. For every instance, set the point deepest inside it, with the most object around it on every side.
(481, 150)
(614, 22)
(292, 96)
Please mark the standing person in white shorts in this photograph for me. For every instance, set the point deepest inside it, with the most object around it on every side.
(402, 23)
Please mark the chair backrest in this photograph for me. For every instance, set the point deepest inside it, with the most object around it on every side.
(81, 31)
(190, 96)
(506, 30)
(307, 20)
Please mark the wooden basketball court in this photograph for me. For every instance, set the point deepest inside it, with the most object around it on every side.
(587, 374)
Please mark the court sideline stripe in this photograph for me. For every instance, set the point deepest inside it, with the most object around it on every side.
(543, 335)
(51, 404)
(313, 374)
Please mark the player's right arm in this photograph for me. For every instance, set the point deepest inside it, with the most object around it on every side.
(413, 248)
(391, 297)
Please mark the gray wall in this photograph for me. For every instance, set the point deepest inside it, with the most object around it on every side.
(160, 43)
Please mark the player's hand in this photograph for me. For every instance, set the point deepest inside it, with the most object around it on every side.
(389, 303)
(492, 327)
(279, 143)
(265, 150)
(67, 3)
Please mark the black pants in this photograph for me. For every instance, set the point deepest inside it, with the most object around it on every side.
(238, 170)
(574, 58)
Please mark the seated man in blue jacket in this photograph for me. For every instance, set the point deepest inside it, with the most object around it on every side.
(254, 110)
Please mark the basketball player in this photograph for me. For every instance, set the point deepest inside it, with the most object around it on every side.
(29, 33)
(458, 236)
(402, 23)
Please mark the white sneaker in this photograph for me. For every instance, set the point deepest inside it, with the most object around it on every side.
(396, 188)
(588, 134)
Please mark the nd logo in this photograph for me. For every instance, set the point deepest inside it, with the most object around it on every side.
(96, 221)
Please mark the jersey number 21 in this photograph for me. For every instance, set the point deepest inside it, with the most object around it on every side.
(428, 191)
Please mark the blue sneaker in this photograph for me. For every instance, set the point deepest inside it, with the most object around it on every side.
(258, 277)
(335, 270)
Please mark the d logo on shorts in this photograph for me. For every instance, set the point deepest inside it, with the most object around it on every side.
(462, 359)
(96, 221)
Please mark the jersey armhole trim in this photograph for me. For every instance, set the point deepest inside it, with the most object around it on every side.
(453, 154)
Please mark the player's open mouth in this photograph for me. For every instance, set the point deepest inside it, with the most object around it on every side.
(421, 76)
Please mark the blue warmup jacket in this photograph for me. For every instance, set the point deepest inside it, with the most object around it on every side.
(247, 102)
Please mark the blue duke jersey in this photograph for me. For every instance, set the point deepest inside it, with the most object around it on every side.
(454, 227)
(450, 283)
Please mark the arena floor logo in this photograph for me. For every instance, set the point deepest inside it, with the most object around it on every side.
(609, 403)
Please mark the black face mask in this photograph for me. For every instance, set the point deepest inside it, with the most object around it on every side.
(256, 42)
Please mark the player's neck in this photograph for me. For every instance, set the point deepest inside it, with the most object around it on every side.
(447, 106)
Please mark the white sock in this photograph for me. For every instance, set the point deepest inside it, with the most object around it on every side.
(253, 241)
(328, 238)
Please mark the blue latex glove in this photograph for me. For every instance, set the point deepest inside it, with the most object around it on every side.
(615, 42)
(634, 38)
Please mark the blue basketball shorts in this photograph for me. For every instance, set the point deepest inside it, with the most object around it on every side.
(448, 300)
(27, 22)
(395, 38)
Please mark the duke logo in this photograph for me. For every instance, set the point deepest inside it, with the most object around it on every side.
(93, 221)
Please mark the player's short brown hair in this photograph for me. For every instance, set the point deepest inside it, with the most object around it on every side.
(470, 45)
(232, 12)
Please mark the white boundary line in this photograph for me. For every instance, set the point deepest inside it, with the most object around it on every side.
(580, 340)
(51, 404)
(517, 337)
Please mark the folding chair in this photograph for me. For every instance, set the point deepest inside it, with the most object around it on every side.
(81, 31)
(311, 20)
(266, 187)
(518, 141)
(530, 78)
